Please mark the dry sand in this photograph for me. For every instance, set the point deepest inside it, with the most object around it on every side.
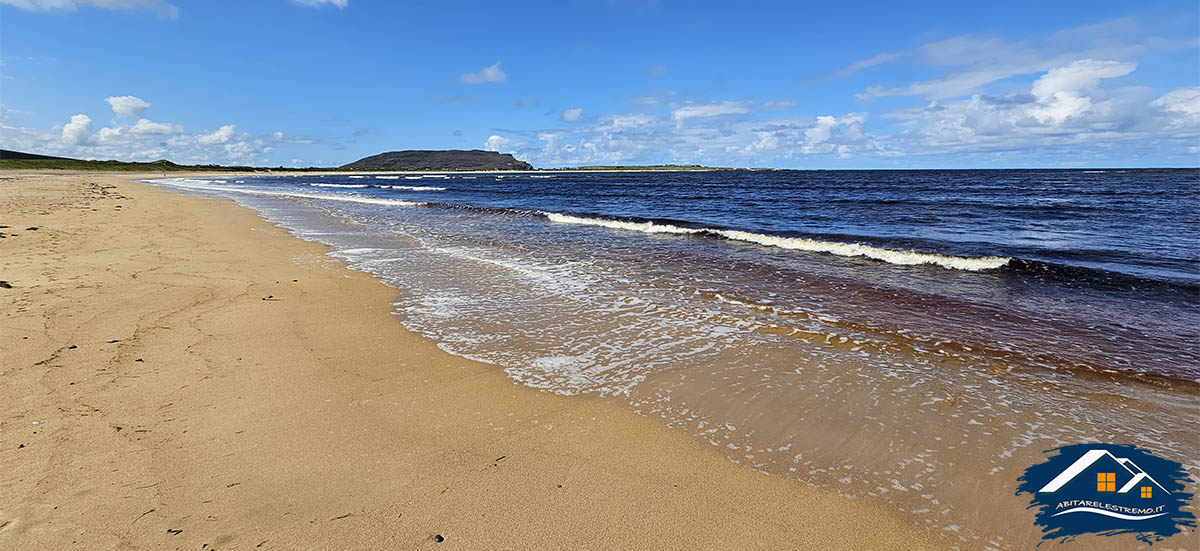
(260, 395)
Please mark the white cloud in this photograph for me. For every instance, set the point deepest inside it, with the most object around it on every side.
(491, 73)
(817, 137)
(218, 136)
(318, 3)
(1184, 102)
(500, 144)
(127, 106)
(692, 110)
(573, 115)
(143, 139)
(158, 6)
(974, 62)
(147, 127)
(109, 135)
(78, 131)
(240, 150)
(626, 121)
(1060, 92)
(877, 59)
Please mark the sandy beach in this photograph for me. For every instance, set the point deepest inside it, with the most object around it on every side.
(180, 374)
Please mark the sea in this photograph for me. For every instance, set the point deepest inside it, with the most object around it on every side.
(912, 338)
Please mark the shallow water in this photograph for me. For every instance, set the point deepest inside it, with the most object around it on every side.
(917, 338)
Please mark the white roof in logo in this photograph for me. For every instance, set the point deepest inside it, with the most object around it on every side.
(1087, 459)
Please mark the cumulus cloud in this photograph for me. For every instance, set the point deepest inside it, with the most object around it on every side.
(142, 139)
(816, 137)
(1060, 92)
(218, 136)
(158, 6)
(573, 114)
(78, 131)
(500, 144)
(491, 73)
(127, 106)
(318, 3)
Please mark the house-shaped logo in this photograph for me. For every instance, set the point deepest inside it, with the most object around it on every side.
(1113, 477)
(1108, 489)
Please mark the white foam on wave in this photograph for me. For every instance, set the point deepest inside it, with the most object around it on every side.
(387, 177)
(419, 188)
(891, 256)
(203, 185)
(646, 227)
(357, 177)
(340, 185)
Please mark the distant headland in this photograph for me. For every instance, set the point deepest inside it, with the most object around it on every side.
(436, 161)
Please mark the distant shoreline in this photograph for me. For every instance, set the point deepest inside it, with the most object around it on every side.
(117, 167)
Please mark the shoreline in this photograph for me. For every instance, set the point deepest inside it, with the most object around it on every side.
(261, 393)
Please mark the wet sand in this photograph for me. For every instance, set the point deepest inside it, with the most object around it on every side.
(178, 373)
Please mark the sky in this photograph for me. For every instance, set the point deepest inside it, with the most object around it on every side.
(833, 85)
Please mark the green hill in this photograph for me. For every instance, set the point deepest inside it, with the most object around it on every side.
(438, 161)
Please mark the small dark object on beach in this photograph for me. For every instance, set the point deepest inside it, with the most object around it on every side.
(72, 347)
(174, 532)
(138, 360)
(295, 280)
(438, 538)
(110, 341)
(21, 446)
(560, 485)
(5, 285)
(270, 297)
(31, 228)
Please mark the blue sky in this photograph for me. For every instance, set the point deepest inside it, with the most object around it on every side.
(829, 85)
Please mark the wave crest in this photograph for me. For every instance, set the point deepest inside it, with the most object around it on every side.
(891, 256)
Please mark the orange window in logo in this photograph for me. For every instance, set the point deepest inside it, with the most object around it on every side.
(1106, 482)
(1147, 492)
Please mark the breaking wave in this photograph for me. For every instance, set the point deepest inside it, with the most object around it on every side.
(891, 256)
(418, 188)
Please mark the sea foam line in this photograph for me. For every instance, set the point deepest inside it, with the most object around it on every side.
(418, 188)
(199, 185)
(891, 256)
(340, 185)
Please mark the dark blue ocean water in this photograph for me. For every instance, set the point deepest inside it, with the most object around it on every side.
(1137, 223)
